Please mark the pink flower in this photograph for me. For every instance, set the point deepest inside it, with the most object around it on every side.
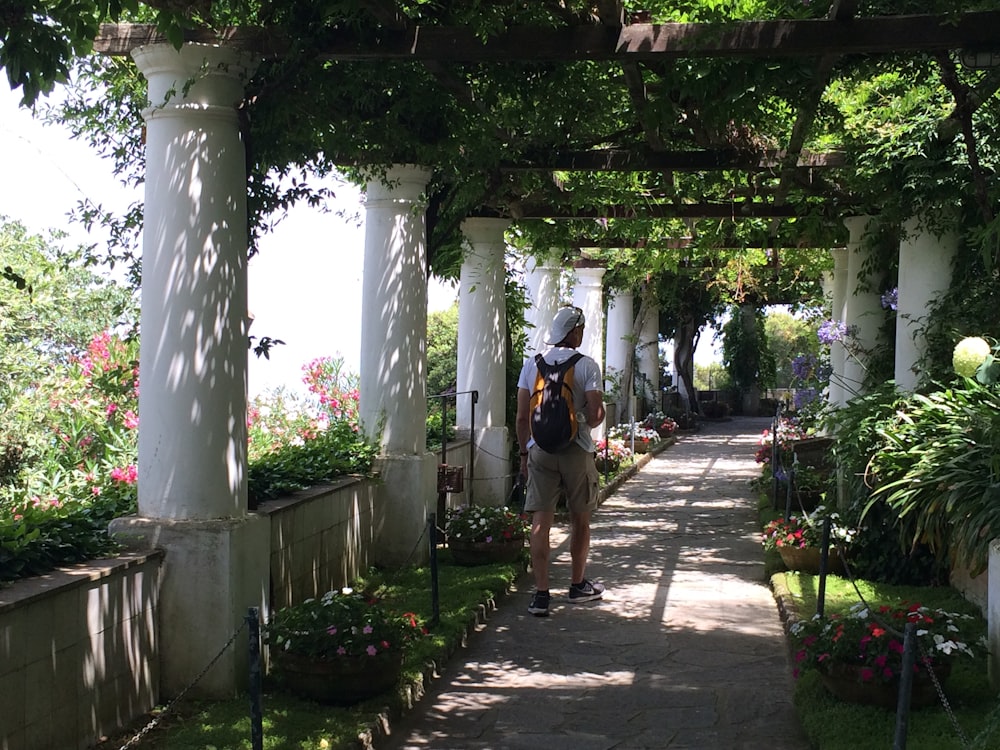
(332, 630)
(867, 674)
(371, 650)
(128, 475)
(367, 629)
(341, 650)
(130, 419)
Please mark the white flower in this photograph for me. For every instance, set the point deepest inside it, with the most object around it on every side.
(969, 354)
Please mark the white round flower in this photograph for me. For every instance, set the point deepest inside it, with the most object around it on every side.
(969, 354)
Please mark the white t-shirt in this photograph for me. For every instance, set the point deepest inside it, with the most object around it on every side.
(586, 377)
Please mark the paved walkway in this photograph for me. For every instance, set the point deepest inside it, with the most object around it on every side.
(685, 651)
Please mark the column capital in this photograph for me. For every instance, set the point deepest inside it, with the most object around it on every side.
(194, 76)
(401, 182)
(857, 227)
(484, 229)
(542, 264)
(589, 275)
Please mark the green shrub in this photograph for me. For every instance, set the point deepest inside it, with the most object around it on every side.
(335, 452)
(69, 457)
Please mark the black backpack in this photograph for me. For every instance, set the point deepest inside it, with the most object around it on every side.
(553, 414)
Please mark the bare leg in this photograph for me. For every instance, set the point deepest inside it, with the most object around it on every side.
(541, 524)
(579, 543)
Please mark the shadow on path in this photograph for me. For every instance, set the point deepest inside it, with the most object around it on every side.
(685, 650)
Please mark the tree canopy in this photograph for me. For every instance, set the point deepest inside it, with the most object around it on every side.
(799, 140)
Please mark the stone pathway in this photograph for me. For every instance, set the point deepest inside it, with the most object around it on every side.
(685, 651)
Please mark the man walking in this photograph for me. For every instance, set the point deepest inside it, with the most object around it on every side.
(570, 472)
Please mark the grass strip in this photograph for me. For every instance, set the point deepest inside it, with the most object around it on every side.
(466, 594)
(831, 724)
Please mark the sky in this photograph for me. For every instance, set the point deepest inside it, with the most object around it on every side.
(304, 285)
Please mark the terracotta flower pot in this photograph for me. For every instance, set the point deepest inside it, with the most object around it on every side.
(844, 681)
(806, 559)
(610, 466)
(341, 680)
(484, 553)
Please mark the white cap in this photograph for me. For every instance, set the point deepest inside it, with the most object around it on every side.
(566, 319)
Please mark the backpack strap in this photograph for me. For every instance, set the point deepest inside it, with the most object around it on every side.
(545, 368)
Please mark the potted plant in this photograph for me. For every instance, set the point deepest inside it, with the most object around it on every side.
(798, 539)
(859, 655)
(663, 425)
(611, 454)
(479, 534)
(636, 436)
(340, 648)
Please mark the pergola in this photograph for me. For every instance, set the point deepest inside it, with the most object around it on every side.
(434, 183)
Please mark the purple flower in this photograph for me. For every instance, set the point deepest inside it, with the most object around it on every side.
(804, 396)
(835, 330)
(803, 365)
(890, 299)
(830, 331)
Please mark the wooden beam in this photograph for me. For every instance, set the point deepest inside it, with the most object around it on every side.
(632, 160)
(777, 38)
(734, 211)
(683, 243)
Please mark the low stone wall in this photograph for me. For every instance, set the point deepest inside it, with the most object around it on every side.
(321, 538)
(80, 647)
(78, 652)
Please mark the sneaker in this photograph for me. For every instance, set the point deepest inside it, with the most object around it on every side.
(587, 591)
(539, 605)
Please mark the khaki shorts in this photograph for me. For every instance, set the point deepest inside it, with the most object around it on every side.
(571, 472)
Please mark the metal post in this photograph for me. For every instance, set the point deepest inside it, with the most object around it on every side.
(774, 454)
(441, 499)
(789, 481)
(256, 716)
(472, 445)
(824, 558)
(435, 596)
(905, 686)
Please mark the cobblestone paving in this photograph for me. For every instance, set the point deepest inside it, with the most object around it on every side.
(685, 651)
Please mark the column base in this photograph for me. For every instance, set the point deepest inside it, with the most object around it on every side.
(492, 481)
(407, 495)
(993, 612)
(213, 572)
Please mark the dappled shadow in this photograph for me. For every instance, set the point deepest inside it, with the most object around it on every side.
(685, 651)
(193, 359)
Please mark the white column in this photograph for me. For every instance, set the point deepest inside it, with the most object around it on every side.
(193, 365)
(863, 308)
(588, 295)
(836, 394)
(993, 612)
(619, 345)
(193, 356)
(649, 353)
(393, 375)
(924, 273)
(482, 334)
(543, 286)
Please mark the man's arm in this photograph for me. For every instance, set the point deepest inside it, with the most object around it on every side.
(593, 407)
(522, 423)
